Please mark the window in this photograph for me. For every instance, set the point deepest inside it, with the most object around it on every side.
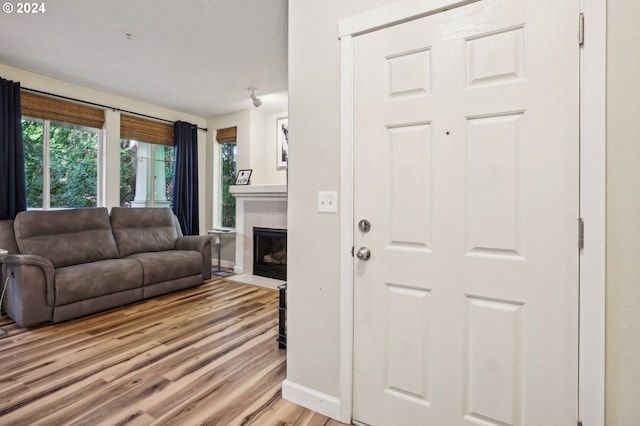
(62, 144)
(146, 162)
(146, 174)
(228, 156)
(228, 165)
(61, 164)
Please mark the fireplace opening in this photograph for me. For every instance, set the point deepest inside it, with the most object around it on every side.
(270, 253)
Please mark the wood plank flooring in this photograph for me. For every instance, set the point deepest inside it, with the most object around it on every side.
(203, 356)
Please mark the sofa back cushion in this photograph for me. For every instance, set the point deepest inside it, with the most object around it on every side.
(144, 229)
(8, 237)
(66, 237)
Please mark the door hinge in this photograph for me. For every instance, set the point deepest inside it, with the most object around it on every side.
(352, 250)
(579, 422)
(581, 30)
(580, 233)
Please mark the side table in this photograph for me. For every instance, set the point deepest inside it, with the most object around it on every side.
(218, 233)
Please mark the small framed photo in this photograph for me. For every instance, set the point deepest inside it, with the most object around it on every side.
(282, 138)
(243, 177)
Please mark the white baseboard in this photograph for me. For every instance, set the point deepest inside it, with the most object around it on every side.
(319, 402)
(224, 263)
(257, 280)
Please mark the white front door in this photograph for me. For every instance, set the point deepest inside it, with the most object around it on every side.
(466, 165)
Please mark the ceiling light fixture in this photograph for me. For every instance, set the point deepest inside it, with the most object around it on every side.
(129, 36)
(256, 100)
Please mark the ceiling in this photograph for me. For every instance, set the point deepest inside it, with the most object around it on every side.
(194, 56)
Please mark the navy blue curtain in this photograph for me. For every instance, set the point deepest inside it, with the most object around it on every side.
(185, 180)
(13, 198)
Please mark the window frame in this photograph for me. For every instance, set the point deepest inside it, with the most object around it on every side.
(150, 171)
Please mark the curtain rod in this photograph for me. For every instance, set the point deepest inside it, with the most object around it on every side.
(204, 129)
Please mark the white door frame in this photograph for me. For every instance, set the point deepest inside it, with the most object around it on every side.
(592, 194)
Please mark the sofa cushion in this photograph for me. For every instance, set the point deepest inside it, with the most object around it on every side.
(168, 265)
(88, 280)
(66, 237)
(145, 229)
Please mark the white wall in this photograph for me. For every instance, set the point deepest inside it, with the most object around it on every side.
(273, 175)
(314, 148)
(111, 176)
(263, 143)
(623, 214)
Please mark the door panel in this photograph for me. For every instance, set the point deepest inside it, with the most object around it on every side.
(466, 165)
(409, 153)
(494, 166)
(493, 380)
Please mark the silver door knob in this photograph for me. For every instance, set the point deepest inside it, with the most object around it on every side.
(363, 253)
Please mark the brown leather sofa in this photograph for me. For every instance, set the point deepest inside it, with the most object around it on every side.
(71, 263)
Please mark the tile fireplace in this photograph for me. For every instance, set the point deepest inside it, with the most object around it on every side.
(257, 206)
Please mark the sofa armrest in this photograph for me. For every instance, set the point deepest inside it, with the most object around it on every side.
(18, 262)
(29, 297)
(201, 244)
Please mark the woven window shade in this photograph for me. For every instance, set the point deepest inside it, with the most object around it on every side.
(36, 106)
(143, 130)
(227, 135)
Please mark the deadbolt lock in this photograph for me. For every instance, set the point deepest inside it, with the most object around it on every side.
(364, 225)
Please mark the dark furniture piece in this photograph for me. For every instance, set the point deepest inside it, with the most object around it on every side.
(282, 316)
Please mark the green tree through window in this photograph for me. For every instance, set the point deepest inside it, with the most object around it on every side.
(33, 134)
(228, 158)
(61, 165)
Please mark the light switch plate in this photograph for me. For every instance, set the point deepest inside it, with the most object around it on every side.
(327, 202)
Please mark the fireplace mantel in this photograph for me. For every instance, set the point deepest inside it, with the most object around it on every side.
(259, 191)
(256, 206)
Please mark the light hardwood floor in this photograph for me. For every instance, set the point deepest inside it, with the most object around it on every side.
(204, 356)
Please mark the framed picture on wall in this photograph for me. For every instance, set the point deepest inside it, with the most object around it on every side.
(282, 139)
(243, 177)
